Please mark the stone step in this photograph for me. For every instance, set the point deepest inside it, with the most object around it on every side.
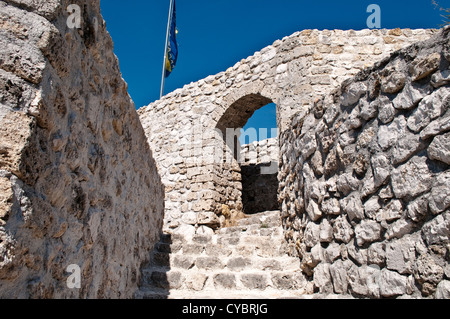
(150, 293)
(197, 280)
(225, 244)
(267, 219)
(259, 230)
(249, 259)
(244, 250)
(231, 262)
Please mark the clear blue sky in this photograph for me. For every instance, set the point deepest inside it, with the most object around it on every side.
(215, 34)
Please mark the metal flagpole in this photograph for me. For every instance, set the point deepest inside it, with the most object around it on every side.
(163, 79)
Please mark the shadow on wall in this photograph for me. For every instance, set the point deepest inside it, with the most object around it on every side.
(259, 191)
(157, 278)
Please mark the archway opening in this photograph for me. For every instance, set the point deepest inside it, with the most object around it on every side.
(259, 161)
(250, 155)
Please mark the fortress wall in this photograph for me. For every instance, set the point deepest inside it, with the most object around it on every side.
(197, 166)
(365, 179)
(78, 183)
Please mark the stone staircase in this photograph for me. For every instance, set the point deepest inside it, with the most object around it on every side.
(245, 261)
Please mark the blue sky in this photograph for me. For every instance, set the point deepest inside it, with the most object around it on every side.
(215, 34)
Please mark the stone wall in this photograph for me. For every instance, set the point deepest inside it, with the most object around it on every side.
(260, 152)
(78, 184)
(365, 179)
(192, 148)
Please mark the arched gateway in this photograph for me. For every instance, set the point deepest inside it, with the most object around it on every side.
(187, 129)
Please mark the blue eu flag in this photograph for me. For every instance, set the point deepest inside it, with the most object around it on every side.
(172, 47)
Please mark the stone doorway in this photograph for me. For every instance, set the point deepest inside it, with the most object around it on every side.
(251, 169)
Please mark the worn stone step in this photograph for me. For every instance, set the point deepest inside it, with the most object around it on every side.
(259, 230)
(152, 293)
(244, 280)
(233, 262)
(270, 219)
(247, 259)
(160, 258)
(146, 293)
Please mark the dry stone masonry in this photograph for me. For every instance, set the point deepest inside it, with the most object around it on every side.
(365, 179)
(78, 185)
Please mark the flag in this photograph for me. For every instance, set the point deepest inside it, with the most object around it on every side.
(172, 46)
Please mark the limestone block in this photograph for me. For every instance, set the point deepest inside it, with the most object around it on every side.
(347, 183)
(401, 255)
(408, 98)
(376, 254)
(339, 277)
(322, 278)
(392, 283)
(342, 230)
(437, 230)
(225, 280)
(311, 235)
(386, 110)
(440, 78)
(209, 263)
(443, 290)
(412, 178)
(438, 126)
(422, 67)
(394, 82)
(392, 211)
(428, 271)
(389, 134)
(368, 110)
(439, 148)
(196, 281)
(313, 210)
(254, 281)
(431, 107)
(326, 231)
(417, 209)
(353, 206)
(399, 228)
(371, 207)
(367, 231)
(331, 207)
(353, 93)
(439, 199)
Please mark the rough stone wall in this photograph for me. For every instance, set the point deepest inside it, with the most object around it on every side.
(189, 140)
(78, 184)
(259, 176)
(260, 152)
(365, 179)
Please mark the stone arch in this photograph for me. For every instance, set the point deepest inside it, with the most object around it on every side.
(241, 110)
(295, 73)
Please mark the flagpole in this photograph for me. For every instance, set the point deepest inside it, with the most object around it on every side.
(163, 78)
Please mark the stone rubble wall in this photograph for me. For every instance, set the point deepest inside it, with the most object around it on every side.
(188, 136)
(78, 183)
(365, 179)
